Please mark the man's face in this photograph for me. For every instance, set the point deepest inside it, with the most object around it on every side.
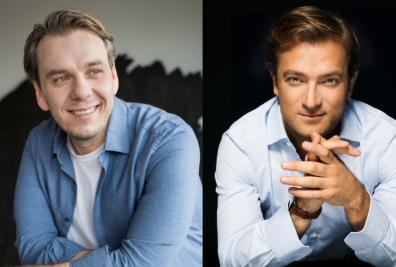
(77, 84)
(312, 86)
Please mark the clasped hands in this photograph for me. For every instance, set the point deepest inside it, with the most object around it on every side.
(327, 178)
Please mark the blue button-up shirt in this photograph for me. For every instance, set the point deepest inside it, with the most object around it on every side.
(254, 225)
(148, 207)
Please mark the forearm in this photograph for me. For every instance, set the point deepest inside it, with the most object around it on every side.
(64, 264)
(80, 254)
(309, 205)
(376, 242)
(300, 225)
(357, 211)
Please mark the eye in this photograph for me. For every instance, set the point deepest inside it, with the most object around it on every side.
(331, 81)
(95, 71)
(61, 79)
(294, 80)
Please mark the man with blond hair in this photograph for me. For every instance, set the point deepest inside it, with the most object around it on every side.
(308, 178)
(103, 182)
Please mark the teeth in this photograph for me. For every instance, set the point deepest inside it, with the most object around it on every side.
(83, 112)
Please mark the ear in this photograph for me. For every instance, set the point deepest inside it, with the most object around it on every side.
(276, 90)
(351, 84)
(115, 79)
(41, 101)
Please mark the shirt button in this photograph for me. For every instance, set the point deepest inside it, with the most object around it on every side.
(314, 235)
(66, 219)
(288, 144)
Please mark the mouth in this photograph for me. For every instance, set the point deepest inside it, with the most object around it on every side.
(311, 117)
(86, 111)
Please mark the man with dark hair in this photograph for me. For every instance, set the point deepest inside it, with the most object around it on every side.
(103, 182)
(292, 183)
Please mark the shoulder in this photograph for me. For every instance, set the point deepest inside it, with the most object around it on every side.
(156, 125)
(152, 119)
(374, 123)
(252, 126)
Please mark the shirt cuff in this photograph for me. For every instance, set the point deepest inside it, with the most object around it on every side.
(283, 238)
(374, 230)
(97, 258)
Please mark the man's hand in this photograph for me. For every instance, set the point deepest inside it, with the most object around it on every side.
(333, 181)
(65, 264)
(80, 254)
(335, 144)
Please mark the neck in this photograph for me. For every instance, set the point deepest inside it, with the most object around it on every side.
(297, 139)
(83, 147)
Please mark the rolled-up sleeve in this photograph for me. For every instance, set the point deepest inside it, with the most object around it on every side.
(245, 238)
(376, 242)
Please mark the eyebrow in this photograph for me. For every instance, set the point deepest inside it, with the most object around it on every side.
(301, 74)
(54, 72)
(94, 63)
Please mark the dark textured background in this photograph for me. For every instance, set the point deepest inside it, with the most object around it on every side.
(236, 80)
(175, 93)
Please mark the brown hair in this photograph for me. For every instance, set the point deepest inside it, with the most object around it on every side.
(312, 25)
(63, 22)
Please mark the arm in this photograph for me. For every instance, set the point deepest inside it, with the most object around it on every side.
(371, 218)
(375, 242)
(37, 234)
(164, 214)
(65, 264)
(244, 236)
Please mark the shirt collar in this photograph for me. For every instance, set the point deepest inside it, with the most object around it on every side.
(119, 131)
(350, 125)
(117, 137)
(275, 128)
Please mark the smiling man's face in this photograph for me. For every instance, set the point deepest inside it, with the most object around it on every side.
(77, 84)
(312, 87)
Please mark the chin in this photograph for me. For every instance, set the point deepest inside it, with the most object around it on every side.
(82, 135)
(307, 131)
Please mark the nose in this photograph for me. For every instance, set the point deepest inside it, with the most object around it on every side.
(81, 90)
(312, 98)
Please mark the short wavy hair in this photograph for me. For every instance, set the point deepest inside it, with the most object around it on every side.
(312, 25)
(60, 23)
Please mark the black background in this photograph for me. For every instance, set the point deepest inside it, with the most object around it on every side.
(236, 80)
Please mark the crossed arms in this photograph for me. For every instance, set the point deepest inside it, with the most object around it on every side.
(162, 218)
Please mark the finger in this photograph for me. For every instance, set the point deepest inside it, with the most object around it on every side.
(344, 147)
(310, 155)
(314, 168)
(324, 154)
(315, 134)
(350, 150)
(306, 181)
(341, 146)
(306, 193)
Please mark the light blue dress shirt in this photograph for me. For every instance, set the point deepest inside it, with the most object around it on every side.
(148, 208)
(254, 225)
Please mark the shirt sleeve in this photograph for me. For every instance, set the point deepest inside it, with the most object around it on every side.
(245, 238)
(164, 214)
(37, 237)
(376, 242)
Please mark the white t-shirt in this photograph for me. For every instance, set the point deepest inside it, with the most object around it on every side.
(87, 170)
